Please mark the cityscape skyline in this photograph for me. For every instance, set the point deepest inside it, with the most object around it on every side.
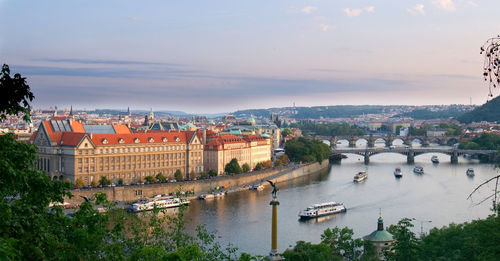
(219, 56)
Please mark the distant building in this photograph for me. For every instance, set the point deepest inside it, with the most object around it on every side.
(436, 133)
(69, 150)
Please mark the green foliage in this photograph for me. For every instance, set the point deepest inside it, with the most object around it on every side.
(120, 181)
(259, 166)
(79, 182)
(160, 177)
(204, 175)
(341, 242)
(329, 129)
(286, 132)
(282, 160)
(233, 167)
(487, 112)
(406, 245)
(150, 179)
(305, 150)
(212, 173)
(422, 131)
(452, 111)
(305, 251)
(178, 175)
(487, 141)
(104, 181)
(16, 95)
(245, 168)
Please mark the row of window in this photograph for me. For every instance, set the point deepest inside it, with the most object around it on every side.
(140, 149)
(129, 166)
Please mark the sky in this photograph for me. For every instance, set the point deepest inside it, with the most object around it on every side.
(212, 56)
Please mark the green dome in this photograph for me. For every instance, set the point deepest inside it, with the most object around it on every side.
(379, 236)
(251, 120)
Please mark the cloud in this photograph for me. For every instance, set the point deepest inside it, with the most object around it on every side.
(292, 9)
(308, 9)
(325, 27)
(446, 5)
(470, 2)
(320, 18)
(102, 61)
(370, 9)
(417, 10)
(353, 12)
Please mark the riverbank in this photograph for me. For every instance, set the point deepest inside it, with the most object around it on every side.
(232, 183)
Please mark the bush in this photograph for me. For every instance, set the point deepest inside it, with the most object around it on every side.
(104, 181)
(79, 183)
(259, 166)
(93, 183)
(120, 181)
(245, 168)
(150, 179)
(233, 167)
(160, 177)
(204, 175)
(178, 175)
(212, 173)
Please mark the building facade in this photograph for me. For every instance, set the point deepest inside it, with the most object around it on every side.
(250, 149)
(69, 150)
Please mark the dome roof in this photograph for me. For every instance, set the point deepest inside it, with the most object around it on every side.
(379, 236)
(251, 120)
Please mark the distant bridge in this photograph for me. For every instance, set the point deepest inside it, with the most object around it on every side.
(411, 153)
(388, 140)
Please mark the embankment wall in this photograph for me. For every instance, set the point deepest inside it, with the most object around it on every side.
(134, 193)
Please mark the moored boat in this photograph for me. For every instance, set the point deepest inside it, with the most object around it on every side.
(158, 201)
(257, 187)
(418, 169)
(360, 176)
(434, 159)
(323, 209)
(470, 172)
(398, 173)
(212, 195)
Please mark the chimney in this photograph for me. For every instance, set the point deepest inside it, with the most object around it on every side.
(204, 141)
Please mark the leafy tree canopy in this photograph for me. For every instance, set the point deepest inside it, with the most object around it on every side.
(306, 150)
(16, 95)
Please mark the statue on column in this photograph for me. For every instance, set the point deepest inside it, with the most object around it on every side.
(275, 190)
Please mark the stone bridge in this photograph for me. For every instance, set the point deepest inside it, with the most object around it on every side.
(388, 140)
(411, 153)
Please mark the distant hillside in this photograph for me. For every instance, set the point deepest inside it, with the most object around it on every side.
(426, 114)
(489, 111)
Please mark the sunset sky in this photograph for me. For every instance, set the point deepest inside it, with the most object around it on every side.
(219, 56)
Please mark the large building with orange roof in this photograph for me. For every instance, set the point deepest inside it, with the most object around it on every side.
(250, 149)
(72, 151)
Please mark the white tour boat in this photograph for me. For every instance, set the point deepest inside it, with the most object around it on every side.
(323, 209)
(362, 175)
(158, 201)
(434, 159)
(212, 195)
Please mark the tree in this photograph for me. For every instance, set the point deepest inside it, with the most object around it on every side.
(16, 95)
(160, 177)
(212, 173)
(233, 167)
(286, 132)
(405, 246)
(245, 168)
(150, 179)
(178, 175)
(93, 183)
(281, 160)
(302, 149)
(79, 182)
(120, 181)
(104, 181)
(341, 242)
(204, 175)
(491, 69)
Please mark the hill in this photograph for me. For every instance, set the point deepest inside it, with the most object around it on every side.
(489, 111)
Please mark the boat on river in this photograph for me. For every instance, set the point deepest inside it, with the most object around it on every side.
(418, 170)
(360, 176)
(158, 201)
(257, 187)
(398, 173)
(470, 172)
(213, 195)
(434, 159)
(323, 209)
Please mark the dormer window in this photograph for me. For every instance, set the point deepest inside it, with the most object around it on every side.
(120, 140)
(164, 139)
(177, 139)
(136, 140)
(151, 140)
(104, 141)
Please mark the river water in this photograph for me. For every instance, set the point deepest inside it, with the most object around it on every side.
(434, 199)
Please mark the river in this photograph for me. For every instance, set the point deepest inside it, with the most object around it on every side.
(439, 196)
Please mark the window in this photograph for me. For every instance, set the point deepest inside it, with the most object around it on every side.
(104, 141)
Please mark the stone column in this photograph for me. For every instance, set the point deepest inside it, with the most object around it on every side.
(367, 157)
(273, 255)
(410, 159)
(454, 157)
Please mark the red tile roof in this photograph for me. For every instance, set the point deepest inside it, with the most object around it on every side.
(113, 139)
(70, 138)
(121, 129)
(77, 126)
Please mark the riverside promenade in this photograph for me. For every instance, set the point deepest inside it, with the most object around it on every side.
(233, 183)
